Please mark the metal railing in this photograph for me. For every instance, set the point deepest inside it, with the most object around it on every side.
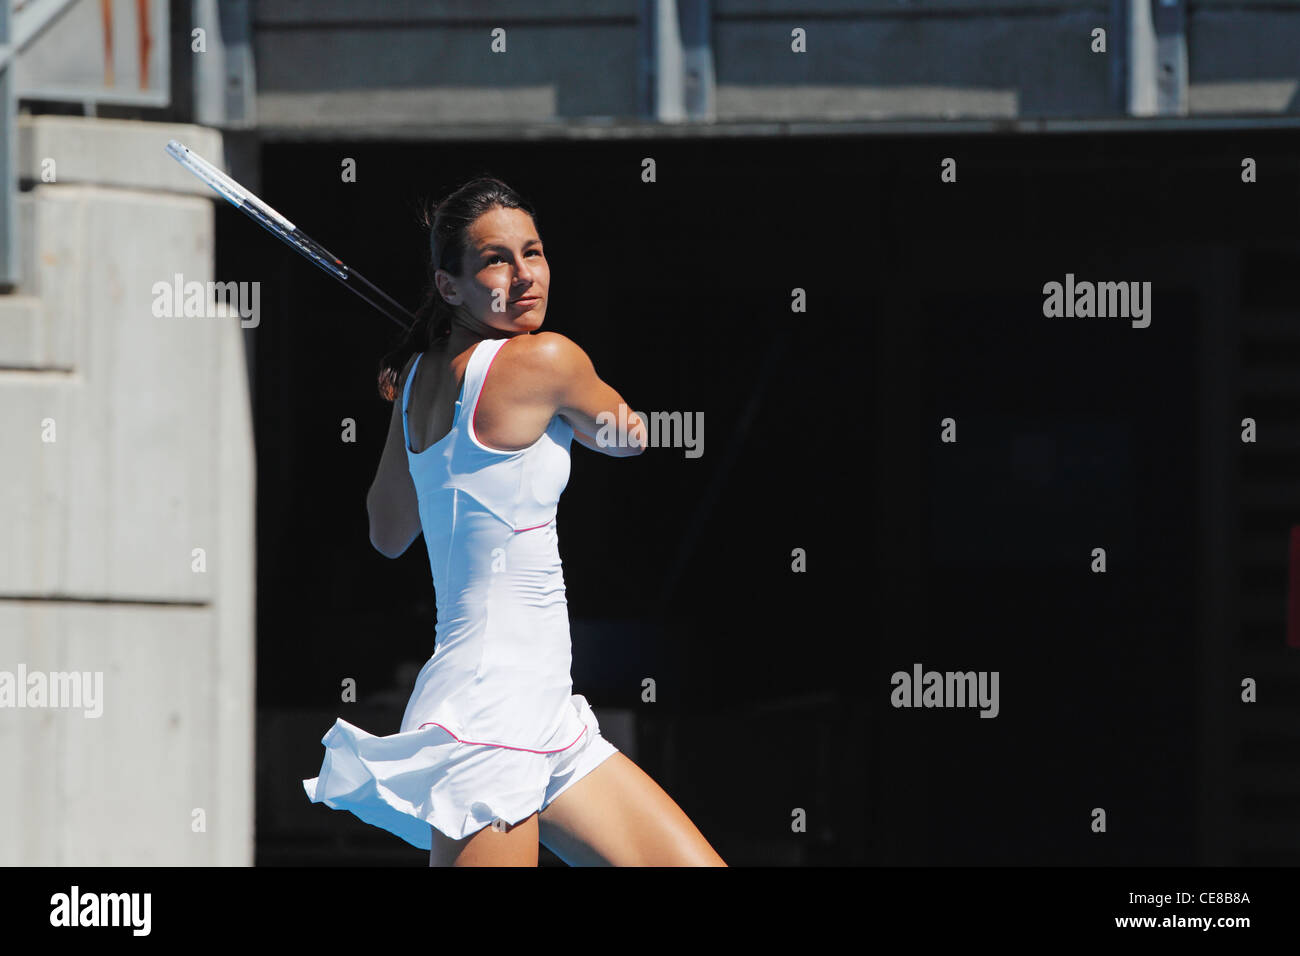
(8, 155)
(98, 54)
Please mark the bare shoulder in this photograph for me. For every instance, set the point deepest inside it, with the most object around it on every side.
(547, 348)
(548, 355)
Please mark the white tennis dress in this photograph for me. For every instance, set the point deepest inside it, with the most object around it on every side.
(492, 730)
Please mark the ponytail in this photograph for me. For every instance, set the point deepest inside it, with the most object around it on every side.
(432, 324)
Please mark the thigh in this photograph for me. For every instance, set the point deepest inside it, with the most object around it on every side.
(617, 816)
(512, 846)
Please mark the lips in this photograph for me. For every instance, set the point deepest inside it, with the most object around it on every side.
(527, 299)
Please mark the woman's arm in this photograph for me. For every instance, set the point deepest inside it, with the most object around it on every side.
(586, 441)
(584, 401)
(391, 502)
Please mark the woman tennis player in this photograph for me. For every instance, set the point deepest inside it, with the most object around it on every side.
(495, 753)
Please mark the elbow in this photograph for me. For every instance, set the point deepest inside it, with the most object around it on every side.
(628, 449)
(389, 545)
(379, 543)
(383, 547)
(380, 538)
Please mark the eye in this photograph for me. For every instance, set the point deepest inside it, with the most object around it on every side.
(530, 252)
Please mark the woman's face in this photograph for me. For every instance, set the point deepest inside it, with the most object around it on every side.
(503, 263)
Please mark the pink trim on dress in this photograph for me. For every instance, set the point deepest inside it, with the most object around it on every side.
(479, 743)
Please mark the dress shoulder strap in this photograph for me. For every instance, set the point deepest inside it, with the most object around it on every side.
(476, 372)
(406, 395)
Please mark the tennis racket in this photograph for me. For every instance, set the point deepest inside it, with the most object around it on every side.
(277, 225)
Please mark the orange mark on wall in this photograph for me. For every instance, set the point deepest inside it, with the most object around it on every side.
(146, 40)
(143, 47)
(106, 15)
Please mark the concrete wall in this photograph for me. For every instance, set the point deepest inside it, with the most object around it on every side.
(415, 65)
(127, 443)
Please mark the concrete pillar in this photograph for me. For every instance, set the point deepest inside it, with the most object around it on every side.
(127, 444)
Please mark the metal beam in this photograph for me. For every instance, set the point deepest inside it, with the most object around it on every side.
(1170, 20)
(33, 19)
(8, 157)
(580, 129)
(677, 78)
(224, 86)
(1156, 54)
(697, 58)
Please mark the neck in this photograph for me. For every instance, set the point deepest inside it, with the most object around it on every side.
(467, 331)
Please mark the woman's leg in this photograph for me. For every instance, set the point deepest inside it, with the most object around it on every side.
(514, 846)
(617, 816)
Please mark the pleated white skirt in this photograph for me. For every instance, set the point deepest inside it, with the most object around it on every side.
(431, 776)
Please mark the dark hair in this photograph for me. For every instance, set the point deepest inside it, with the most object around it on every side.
(448, 221)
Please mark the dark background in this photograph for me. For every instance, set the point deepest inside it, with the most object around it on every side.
(924, 301)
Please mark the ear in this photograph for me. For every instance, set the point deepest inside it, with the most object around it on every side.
(446, 287)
